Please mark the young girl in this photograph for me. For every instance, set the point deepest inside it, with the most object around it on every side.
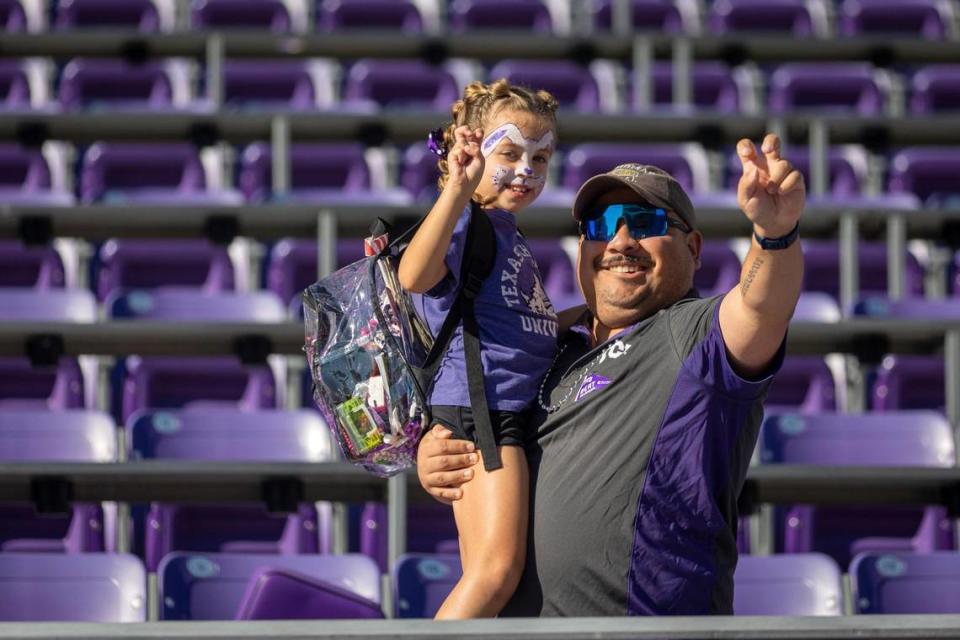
(500, 144)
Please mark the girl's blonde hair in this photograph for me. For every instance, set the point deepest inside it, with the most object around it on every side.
(480, 101)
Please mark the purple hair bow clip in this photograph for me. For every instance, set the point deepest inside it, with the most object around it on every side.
(435, 143)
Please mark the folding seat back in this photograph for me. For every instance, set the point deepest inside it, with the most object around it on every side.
(422, 582)
(88, 587)
(212, 586)
(904, 583)
(801, 584)
(921, 18)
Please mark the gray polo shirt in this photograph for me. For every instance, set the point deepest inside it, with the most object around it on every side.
(636, 470)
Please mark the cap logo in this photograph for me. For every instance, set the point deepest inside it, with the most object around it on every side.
(634, 171)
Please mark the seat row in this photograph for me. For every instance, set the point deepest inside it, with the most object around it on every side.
(931, 19)
(367, 85)
(225, 586)
(332, 173)
(207, 432)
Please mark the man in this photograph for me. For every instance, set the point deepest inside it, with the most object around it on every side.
(647, 420)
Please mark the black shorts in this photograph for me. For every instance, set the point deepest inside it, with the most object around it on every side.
(509, 427)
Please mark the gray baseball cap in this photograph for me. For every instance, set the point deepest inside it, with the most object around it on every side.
(653, 184)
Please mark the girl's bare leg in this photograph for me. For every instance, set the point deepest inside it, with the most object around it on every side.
(492, 522)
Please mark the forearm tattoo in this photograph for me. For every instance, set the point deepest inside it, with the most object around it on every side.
(751, 275)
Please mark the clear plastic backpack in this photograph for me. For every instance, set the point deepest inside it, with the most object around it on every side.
(373, 360)
(362, 336)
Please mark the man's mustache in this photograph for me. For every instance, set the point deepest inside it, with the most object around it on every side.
(620, 260)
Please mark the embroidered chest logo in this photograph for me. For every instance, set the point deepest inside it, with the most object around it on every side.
(591, 383)
(594, 381)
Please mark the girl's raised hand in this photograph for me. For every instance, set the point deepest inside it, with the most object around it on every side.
(465, 162)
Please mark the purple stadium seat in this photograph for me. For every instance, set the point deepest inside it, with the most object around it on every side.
(719, 269)
(22, 304)
(147, 264)
(663, 16)
(906, 583)
(212, 586)
(14, 86)
(846, 169)
(132, 14)
(26, 177)
(420, 173)
(328, 173)
(38, 267)
(935, 88)
(920, 438)
(715, 87)
(241, 14)
(40, 435)
(927, 172)
(283, 594)
(13, 18)
(814, 306)
(55, 387)
(147, 173)
(841, 87)
(228, 434)
(791, 17)
(430, 529)
(338, 15)
(920, 308)
(292, 265)
(171, 383)
(571, 84)
(686, 162)
(116, 84)
(89, 587)
(421, 582)
(221, 434)
(918, 18)
(909, 382)
(186, 304)
(499, 15)
(286, 84)
(805, 385)
(822, 269)
(801, 584)
(401, 84)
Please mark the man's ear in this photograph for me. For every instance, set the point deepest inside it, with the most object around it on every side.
(695, 244)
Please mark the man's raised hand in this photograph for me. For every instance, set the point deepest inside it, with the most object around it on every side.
(771, 191)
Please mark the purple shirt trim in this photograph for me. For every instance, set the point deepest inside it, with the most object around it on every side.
(682, 542)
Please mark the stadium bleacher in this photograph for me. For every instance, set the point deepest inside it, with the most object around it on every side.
(174, 172)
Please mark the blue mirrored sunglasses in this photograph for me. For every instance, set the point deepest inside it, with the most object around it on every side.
(601, 222)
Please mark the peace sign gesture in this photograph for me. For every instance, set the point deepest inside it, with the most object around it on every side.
(771, 191)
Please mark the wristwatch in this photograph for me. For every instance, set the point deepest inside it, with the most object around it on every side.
(776, 244)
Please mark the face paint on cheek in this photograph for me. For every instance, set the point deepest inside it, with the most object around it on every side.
(502, 177)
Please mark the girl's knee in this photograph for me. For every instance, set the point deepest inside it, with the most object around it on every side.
(501, 574)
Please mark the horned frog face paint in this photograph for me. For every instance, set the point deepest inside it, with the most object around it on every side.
(521, 173)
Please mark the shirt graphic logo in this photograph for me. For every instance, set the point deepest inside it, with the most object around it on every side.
(520, 286)
(591, 383)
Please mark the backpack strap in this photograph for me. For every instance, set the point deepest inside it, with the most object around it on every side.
(480, 252)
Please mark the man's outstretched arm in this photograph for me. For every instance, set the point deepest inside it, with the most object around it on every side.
(755, 314)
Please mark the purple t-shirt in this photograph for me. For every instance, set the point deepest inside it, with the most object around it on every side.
(518, 326)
